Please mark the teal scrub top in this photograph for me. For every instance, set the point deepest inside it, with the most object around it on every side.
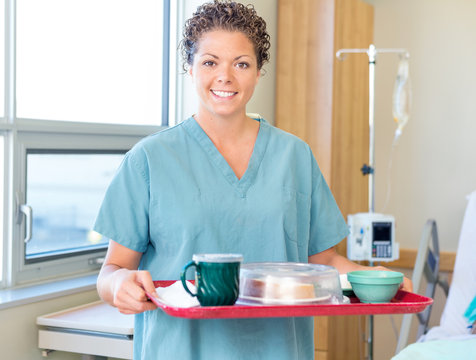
(174, 195)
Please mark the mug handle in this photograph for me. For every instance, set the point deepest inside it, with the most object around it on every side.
(183, 275)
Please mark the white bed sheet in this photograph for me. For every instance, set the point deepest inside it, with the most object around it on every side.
(452, 339)
(463, 284)
(454, 348)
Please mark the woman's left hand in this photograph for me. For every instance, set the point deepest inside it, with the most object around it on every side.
(406, 285)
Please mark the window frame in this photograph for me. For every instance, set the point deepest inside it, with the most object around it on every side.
(6, 229)
(24, 272)
(22, 134)
(91, 250)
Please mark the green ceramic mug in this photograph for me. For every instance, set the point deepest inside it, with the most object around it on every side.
(217, 278)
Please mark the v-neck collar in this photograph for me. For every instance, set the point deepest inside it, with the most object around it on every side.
(240, 185)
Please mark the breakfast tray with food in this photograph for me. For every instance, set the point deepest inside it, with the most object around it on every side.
(403, 303)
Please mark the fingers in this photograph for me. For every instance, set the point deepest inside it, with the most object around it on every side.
(407, 285)
(145, 280)
(129, 292)
(140, 308)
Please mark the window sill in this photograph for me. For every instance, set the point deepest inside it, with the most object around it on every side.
(27, 295)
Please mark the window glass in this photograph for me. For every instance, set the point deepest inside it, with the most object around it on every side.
(65, 191)
(2, 192)
(90, 60)
(2, 59)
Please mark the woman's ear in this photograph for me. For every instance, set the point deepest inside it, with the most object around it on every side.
(258, 76)
(190, 72)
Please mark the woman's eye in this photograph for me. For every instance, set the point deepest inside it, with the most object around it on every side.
(208, 63)
(243, 65)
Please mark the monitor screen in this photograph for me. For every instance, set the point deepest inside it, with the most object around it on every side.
(382, 231)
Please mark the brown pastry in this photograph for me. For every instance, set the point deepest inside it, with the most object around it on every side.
(277, 289)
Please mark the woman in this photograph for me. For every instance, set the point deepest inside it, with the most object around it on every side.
(219, 182)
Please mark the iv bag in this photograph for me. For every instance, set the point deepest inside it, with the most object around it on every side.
(401, 97)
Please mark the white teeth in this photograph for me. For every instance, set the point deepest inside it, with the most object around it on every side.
(223, 93)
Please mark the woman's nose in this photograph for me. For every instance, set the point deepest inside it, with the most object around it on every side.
(224, 75)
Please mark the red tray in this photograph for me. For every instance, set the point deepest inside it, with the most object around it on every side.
(403, 303)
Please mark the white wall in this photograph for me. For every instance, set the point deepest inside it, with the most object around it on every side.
(19, 332)
(434, 165)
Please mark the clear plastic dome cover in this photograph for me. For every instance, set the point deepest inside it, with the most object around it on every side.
(289, 283)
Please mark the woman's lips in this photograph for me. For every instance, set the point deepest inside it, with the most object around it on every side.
(223, 94)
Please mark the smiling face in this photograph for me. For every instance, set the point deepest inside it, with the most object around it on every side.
(225, 73)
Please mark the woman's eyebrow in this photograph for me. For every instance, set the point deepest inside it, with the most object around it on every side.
(208, 54)
(217, 57)
(239, 57)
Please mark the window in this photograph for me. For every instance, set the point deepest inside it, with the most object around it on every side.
(85, 80)
(64, 190)
(2, 201)
(90, 60)
(2, 59)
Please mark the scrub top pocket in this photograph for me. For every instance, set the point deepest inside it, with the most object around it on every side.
(296, 223)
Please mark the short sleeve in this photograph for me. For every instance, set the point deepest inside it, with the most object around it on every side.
(328, 226)
(124, 213)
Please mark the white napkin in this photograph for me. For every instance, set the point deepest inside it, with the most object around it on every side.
(344, 283)
(176, 296)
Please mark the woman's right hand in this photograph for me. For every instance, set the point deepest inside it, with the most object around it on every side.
(129, 289)
(120, 284)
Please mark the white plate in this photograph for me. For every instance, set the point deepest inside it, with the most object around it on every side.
(250, 300)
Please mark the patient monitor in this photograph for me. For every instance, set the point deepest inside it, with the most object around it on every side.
(372, 237)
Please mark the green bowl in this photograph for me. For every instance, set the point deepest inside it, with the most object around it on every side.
(375, 286)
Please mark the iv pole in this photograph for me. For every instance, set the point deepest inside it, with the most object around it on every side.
(371, 52)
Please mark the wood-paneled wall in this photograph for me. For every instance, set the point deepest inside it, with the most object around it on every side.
(350, 118)
(350, 136)
(304, 75)
(325, 102)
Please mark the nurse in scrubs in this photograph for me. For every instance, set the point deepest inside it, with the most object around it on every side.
(218, 182)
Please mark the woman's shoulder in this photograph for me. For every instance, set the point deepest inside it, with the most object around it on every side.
(158, 144)
(162, 137)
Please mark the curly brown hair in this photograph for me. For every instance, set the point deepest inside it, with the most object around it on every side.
(225, 15)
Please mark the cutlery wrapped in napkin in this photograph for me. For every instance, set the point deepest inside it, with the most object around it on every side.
(175, 295)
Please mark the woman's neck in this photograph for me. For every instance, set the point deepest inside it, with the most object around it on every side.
(234, 139)
(227, 130)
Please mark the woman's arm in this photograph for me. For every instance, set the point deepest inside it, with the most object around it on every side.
(344, 265)
(120, 283)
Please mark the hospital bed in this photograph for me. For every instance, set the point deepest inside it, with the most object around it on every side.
(452, 339)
